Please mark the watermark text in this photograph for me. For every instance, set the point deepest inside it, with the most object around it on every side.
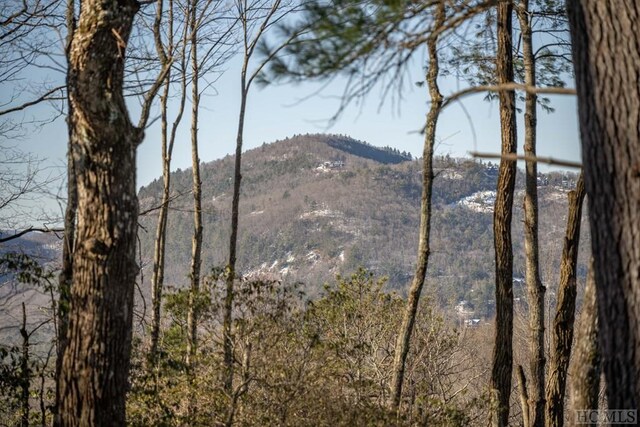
(611, 416)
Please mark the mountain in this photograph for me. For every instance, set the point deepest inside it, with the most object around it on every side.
(313, 206)
(43, 250)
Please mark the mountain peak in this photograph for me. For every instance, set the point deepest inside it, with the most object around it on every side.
(354, 147)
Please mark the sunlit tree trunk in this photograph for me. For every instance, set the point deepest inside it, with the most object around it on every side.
(157, 276)
(585, 367)
(196, 242)
(562, 332)
(167, 143)
(535, 288)
(607, 64)
(408, 320)
(233, 241)
(502, 364)
(93, 378)
(235, 210)
(68, 239)
(524, 397)
(255, 18)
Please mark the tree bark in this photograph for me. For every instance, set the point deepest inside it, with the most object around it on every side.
(253, 28)
(233, 240)
(157, 276)
(562, 338)
(235, 213)
(408, 320)
(585, 370)
(196, 242)
(607, 65)
(502, 364)
(68, 239)
(167, 144)
(524, 397)
(93, 378)
(535, 288)
(25, 372)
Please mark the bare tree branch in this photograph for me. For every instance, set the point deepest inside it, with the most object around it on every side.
(30, 230)
(515, 157)
(508, 87)
(47, 96)
(151, 94)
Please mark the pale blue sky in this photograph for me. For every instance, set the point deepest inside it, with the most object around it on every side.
(281, 111)
(278, 112)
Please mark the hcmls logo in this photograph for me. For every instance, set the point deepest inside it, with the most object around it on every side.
(612, 416)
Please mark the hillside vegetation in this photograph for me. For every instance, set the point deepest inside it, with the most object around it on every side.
(314, 206)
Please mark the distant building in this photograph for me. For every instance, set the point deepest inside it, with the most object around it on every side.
(464, 308)
(491, 171)
(472, 323)
(330, 165)
(543, 181)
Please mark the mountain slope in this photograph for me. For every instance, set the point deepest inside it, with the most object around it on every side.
(313, 206)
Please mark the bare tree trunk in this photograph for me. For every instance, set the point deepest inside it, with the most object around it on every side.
(233, 240)
(168, 141)
(562, 338)
(196, 243)
(503, 352)
(44, 390)
(25, 371)
(235, 211)
(68, 240)
(157, 276)
(536, 289)
(524, 397)
(408, 320)
(585, 370)
(95, 365)
(253, 28)
(607, 65)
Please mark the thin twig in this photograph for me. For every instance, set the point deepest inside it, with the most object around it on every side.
(507, 87)
(30, 230)
(157, 207)
(47, 96)
(538, 159)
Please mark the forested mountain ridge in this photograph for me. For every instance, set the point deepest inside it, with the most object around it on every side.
(313, 206)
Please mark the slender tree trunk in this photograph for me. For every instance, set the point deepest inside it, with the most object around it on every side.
(585, 369)
(235, 212)
(535, 288)
(251, 35)
(562, 338)
(503, 352)
(95, 365)
(44, 390)
(607, 65)
(25, 371)
(233, 240)
(168, 141)
(68, 240)
(157, 276)
(196, 243)
(524, 397)
(408, 320)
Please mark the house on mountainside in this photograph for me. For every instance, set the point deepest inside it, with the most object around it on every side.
(330, 165)
(491, 171)
(472, 323)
